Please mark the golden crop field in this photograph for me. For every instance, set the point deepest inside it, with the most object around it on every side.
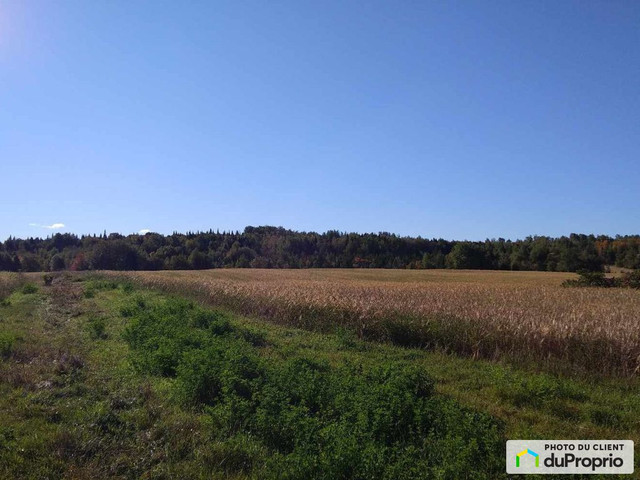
(488, 314)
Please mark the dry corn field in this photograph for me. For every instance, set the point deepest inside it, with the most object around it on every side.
(484, 314)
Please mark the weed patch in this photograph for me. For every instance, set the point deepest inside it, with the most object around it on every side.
(29, 288)
(307, 419)
(96, 327)
(94, 285)
(7, 342)
(539, 391)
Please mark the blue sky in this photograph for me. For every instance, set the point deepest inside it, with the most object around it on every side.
(461, 120)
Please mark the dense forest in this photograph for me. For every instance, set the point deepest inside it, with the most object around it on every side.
(276, 247)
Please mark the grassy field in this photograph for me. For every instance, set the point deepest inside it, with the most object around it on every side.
(103, 379)
(518, 316)
(8, 283)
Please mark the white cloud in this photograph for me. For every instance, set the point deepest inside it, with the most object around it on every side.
(143, 231)
(53, 226)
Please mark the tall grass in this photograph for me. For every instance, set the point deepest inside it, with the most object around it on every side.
(480, 314)
(9, 282)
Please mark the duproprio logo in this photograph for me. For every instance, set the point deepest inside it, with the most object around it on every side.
(538, 457)
(530, 452)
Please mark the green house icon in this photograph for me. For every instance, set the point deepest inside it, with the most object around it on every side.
(530, 452)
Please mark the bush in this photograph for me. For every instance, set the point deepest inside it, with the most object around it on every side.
(591, 279)
(227, 369)
(631, 279)
(598, 279)
(161, 334)
(29, 288)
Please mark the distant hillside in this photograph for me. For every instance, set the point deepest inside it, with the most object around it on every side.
(276, 247)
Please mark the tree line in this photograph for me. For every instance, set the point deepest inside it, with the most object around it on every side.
(276, 247)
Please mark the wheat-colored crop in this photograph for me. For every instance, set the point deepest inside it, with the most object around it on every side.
(482, 314)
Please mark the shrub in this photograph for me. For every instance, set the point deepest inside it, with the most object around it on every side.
(598, 279)
(592, 279)
(631, 279)
(200, 376)
(47, 278)
(225, 372)
(29, 288)
(161, 334)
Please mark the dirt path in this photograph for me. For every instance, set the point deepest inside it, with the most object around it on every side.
(62, 301)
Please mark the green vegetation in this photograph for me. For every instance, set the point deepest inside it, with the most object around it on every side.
(7, 341)
(482, 316)
(598, 279)
(272, 247)
(8, 283)
(308, 419)
(96, 327)
(29, 288)
(129, 383)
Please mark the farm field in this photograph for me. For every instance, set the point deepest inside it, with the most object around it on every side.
(87, 392)
(517, 316)
(319, 240)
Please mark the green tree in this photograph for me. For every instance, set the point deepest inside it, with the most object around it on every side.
(466, 255)
(116, 254)
(198, 260)
(57, 263)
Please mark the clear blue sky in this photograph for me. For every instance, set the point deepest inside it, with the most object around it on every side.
(462, 120)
